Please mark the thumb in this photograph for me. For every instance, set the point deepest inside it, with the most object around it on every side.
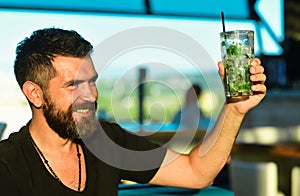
(221, 69)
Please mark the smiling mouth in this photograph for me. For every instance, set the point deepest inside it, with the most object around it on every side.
(83, 110)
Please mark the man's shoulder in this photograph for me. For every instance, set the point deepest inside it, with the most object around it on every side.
(109, 125)
(112, 129)
(14, 168)
(10, 147)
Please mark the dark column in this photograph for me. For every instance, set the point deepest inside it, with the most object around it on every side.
(141, 93)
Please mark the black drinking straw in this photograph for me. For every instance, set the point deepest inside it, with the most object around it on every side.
(223, 22)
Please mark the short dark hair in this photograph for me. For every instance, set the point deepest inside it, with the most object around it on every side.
(35, 54)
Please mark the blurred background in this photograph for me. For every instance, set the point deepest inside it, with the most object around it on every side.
(165, 74)
(276, 43)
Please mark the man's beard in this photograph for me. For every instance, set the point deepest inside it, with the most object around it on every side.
(63, 123)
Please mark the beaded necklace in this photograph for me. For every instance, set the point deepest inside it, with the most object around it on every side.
(46, 162)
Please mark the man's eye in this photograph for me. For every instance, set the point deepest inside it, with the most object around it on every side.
(92, 83)
(73, 85)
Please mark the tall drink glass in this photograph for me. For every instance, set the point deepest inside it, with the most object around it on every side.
(237, 50)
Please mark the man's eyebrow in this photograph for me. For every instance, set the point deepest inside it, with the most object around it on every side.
(72, 82)
(77, 81)
(94, 78)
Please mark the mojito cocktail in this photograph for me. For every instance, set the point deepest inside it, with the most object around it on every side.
(237, 49)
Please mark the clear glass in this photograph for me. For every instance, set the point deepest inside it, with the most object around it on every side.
(237, 50)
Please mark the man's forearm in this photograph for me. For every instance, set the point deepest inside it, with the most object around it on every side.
(210, 156)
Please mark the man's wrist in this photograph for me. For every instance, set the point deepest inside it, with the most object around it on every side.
(231, 108)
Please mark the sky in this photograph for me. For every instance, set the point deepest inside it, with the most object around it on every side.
(96, 28)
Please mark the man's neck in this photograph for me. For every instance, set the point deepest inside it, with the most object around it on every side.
(61, 155)
(47, 139)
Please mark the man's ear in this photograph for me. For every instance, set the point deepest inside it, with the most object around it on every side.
(33, 93)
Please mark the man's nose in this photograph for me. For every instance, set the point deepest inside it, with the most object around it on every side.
(89, 93)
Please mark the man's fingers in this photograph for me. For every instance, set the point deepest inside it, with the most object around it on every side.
(261, 78)
(259, 88)
(257, 69)
(221, 68)
(256, 61)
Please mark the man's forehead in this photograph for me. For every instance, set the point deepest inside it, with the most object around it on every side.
(74, 67)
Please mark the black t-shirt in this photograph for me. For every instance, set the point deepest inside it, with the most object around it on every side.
(22, 172)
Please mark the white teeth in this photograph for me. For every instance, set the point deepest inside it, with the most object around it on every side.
(83, 110)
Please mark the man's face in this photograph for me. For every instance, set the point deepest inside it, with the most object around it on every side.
(70, 101)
